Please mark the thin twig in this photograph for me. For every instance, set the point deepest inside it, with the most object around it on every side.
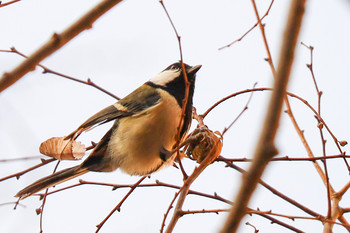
(44, 201)
(262, 30)
(187, 84)
(241, 113)
(13, 202)
(254, 26)
(117, 208)
(320, 127)
(215, 196)
(171, 205)
(8, 3)
(47, 70)
(203, 211)
(21, 159)
(156, 184)
(255, 229)
(285, 159)
(289, 112)
(292, 217)
(229, 97)
(279, 194)
(19, 174)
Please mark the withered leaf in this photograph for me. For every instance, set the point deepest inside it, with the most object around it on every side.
(203, 143)
(59, 148)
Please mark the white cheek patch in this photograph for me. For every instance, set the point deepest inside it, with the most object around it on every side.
(165, 77)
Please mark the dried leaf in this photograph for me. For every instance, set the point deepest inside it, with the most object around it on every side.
(203, 143)
(59, 148)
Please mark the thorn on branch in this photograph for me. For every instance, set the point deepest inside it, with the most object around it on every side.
(56, 38)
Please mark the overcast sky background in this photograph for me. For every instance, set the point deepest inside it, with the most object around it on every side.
(130, 44)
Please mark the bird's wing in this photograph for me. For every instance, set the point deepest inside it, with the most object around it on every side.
(139, 100)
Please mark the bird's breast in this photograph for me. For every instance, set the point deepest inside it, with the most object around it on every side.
(137, 143)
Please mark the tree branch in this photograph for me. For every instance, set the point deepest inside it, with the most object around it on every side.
(265, 149)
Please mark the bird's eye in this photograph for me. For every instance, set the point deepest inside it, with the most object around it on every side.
(174, 67)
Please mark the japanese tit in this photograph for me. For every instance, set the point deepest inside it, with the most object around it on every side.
(144, 133)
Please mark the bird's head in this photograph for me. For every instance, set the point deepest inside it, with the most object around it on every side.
(172, 80)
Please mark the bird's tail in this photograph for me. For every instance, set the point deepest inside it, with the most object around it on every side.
(52, 180)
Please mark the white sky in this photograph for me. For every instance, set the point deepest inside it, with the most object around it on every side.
(126, 47)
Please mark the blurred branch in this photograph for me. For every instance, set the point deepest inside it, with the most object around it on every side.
(8, 3)
(56, 42)
(265, 149)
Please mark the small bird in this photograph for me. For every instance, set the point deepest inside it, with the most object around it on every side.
(145, 131)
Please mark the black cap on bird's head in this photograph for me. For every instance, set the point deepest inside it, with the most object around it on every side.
(190, 70)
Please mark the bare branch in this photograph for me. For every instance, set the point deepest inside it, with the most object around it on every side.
(19, 174)
(251, 29)
(117, 208)
(47, 70)
(8, 3)
(265, 149)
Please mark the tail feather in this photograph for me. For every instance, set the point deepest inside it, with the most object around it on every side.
(52, 180)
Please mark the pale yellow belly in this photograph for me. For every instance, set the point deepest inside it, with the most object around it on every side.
(135, 147)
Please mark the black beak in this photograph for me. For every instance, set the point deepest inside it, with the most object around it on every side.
(193, 69)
